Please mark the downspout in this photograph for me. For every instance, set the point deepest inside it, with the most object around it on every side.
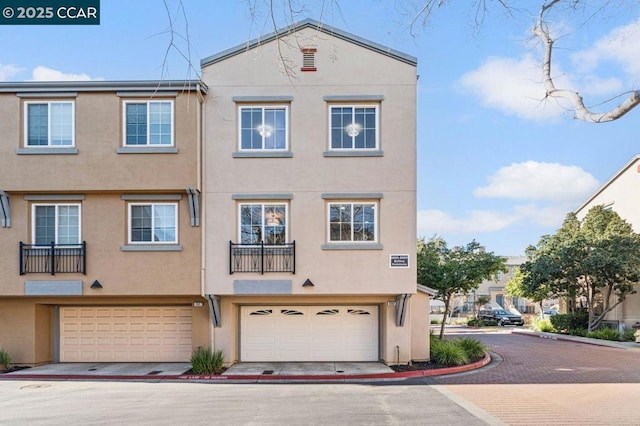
(201, 166)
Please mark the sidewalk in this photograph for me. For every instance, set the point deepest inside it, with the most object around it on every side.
(578, 339)
(239, 373)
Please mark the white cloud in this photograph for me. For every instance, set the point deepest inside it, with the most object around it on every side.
(533, 180)
(8, 71)
(437, 222)
(41, 73)
(513, 86)
(621, 45)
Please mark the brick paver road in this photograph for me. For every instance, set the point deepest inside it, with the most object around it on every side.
(543, 381)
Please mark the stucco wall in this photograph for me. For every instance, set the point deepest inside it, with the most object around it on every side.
(343, 69)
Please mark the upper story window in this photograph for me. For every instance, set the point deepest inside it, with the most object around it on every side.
(56, 223)
(263, 223)
(353, 222)
(153, 223)
(49, 124)
(353, 127)
(264, 128)
(148, 123)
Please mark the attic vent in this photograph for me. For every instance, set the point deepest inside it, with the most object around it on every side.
(308, 59)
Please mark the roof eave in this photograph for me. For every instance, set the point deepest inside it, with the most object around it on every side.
(310, 23)
(100, 86)
(608, 182)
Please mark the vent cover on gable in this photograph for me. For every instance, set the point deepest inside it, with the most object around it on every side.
(308, 59)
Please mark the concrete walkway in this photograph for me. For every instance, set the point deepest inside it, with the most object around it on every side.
(307, 368)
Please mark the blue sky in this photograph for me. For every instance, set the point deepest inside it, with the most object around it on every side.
(496, 162)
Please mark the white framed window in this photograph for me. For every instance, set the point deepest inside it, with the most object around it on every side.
(352, 222)
(148, 123)
(263, 222)
(153, 223)
(263, 128)
(49, 124)
(353, 127)
(56, 223)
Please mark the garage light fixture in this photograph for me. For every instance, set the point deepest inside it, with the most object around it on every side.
(96, 284)
(308, 283)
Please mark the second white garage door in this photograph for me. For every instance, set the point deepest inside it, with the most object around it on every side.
(125, 334)
(309, 333)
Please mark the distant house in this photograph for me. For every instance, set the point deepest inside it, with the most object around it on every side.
(494, 290)
(620, 194)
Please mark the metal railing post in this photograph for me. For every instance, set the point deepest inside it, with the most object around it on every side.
(21, 259)
(84, 258)
(262, 257)
(53, 258)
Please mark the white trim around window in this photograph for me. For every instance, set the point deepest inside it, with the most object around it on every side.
(49, 124)
(152, 223)
(266, 222)
(152, 123)
(352, 222)
(354, 127)
(60, 223)
(263, 128)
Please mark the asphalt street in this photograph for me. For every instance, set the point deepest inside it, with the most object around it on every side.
(532, 381)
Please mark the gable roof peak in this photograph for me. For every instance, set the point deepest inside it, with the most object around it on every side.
(316, 25)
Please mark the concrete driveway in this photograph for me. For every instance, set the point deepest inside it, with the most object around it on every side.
(139, 369)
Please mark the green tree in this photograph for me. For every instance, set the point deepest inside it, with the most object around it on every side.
(454, 270)
(516, 287)
(595, 261)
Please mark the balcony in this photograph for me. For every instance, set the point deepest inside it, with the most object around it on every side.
(261, 258)
(53, 259)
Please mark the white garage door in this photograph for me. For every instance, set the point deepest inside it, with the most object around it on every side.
(125, 334)
(309, 333)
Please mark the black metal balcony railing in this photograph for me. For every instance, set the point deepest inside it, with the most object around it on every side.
(262, 258)
(54, 258)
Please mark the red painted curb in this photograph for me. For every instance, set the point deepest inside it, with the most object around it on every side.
(259, 377)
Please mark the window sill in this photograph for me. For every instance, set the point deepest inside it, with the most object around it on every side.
(47, 151)
(151, 247)
(265, 154)
(147, 150)
(354, 153)
(352, 246)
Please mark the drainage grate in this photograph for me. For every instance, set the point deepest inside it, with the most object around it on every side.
(339, 371)
(150, 373)
(267, 372)
(92, 369)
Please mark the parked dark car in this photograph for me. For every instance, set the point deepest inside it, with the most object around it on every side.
(501, 316)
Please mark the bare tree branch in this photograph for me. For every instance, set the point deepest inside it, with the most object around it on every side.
(581, 111)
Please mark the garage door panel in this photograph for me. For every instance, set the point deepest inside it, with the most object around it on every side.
(127, 334)
(309, 333)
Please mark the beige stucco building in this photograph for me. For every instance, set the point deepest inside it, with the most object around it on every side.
(100, 242)
(619, 194)
(268, 210)
(310, 148)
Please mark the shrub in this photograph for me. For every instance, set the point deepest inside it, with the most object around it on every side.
(5, 359)
(565, 322)
(482, 323)
(204, 361)
(543, 324)
(436, 321)
(629, 336)
(605, 334)
(581, 332)
(474, 348)
(447, 353)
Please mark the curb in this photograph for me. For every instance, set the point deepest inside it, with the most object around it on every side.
(258, 377)
(575, 339)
